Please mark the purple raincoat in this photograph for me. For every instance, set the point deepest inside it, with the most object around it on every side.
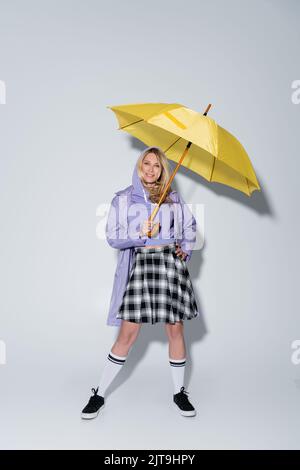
(122, 235)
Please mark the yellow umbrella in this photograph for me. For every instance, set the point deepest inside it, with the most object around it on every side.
(191, 139)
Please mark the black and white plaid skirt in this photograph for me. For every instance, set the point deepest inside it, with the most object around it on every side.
(159, 288)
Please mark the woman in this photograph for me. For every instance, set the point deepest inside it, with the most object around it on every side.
(152, 282)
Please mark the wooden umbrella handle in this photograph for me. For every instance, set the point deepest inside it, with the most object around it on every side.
(172, 177)
(169, 182)
(152, 216)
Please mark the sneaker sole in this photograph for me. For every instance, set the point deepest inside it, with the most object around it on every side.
(185, 413)
(92, 415)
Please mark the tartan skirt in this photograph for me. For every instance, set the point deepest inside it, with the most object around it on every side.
(159, 288)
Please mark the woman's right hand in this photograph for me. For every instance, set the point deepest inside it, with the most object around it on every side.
(148, 226)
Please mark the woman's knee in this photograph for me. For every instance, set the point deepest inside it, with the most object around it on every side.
(128, 333)
(174, 331)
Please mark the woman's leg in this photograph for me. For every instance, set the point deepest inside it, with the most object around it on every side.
(126, 337)
(118, 354)
(175, 335)
(177, 353)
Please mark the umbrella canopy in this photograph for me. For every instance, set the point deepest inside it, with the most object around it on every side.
(210, 150)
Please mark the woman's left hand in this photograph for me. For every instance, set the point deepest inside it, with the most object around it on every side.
(180, 253)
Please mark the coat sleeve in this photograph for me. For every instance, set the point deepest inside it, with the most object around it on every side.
(189, 225)
(116, 230)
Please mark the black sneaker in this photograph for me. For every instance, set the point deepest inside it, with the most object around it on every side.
(95, 404)
(182, 403)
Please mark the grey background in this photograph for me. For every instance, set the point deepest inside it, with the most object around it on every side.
(63, 62)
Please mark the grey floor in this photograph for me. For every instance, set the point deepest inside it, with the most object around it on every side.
(240, 404)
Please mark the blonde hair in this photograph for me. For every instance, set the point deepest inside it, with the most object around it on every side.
(159, 186)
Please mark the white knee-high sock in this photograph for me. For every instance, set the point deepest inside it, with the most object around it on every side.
(177, 368)
(112, 367)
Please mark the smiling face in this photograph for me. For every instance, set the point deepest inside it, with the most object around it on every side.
(151, 168)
